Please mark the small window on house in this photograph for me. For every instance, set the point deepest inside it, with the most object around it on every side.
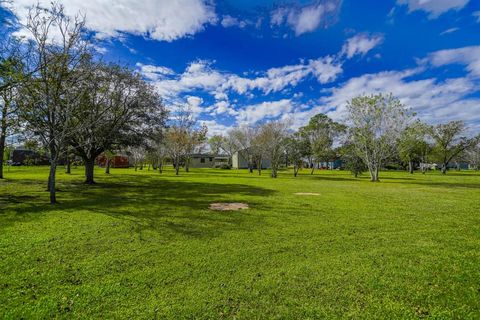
(210, 159)
(202, 160)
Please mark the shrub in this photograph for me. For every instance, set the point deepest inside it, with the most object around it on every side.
(223, 166)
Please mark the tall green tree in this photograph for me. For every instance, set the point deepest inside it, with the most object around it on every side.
(450, 141)
(322, 133)
(351, 161)
(116, 109)
(11, 75)
(411, 144)
(377, 122)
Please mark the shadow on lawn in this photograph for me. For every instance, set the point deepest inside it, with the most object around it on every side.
(151, 203)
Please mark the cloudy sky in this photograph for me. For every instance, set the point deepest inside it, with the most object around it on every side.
(246, 61)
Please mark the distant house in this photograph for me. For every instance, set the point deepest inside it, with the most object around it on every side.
(205, 160)
(331, 165)
(118, 161)
(21, 156)
(240, 161)
(458, 165)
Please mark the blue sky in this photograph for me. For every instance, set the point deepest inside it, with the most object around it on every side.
(236, 62)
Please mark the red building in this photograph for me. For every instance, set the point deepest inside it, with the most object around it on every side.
(117, 161)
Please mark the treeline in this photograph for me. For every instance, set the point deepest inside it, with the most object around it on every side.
(55, 90)
(379, 131)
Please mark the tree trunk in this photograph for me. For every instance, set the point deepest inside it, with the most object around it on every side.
(187, 165)
(177, 167)
(3, 136)
(89, 169)
(374, 169)
(313, 168)
(410, 166)
(68, 168)
(274, 171)
(444, 168)
(295, 170)
(160, 167)
(51, 179)
(107, 166)
(2, 151)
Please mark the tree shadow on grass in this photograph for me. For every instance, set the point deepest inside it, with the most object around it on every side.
(331, 177)
(440, 184)
(151, 203)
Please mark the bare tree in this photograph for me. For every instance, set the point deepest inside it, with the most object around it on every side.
(243, 138)
(196, 138)
(176, 140)
(229, 146)
(377, 121)
(138, 154)
(272, 137)
(50, 101)
(473, 156)
(215, 143)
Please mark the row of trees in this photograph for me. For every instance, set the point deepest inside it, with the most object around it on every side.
(54, 88)
(379, 130)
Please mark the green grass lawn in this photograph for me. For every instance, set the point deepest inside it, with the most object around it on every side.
(144, 245)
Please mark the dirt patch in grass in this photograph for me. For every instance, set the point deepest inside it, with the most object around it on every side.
(306, 194)
(228, 206)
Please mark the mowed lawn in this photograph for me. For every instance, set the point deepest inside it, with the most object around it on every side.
(144, 245)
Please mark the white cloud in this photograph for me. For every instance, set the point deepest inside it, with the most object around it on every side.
(305, 19)
(361, 44)
(159, 20)
(229, 21)
(432, 99)
(451, 30)
(200, 75)
(434, 7)
(154, 73)
(195, 104)
(324, 69)
(197, 76)
(265, 110)
(215, 128)
(468, 56)
(222, 107)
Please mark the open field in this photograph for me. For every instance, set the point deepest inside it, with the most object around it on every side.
(145, 245)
